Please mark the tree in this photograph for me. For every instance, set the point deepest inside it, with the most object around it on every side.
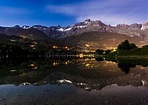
(125, 45)
(107, 51)
(146, 46)
(133, 46)
(100, 52)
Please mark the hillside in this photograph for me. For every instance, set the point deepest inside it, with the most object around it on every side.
(90, 41)
(30, 33)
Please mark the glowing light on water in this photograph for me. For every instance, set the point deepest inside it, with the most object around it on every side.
(87, 65)
(81, 55)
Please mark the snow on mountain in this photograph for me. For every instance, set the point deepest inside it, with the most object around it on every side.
(25, 27)
(68, 29)
(88, 25)
(144, 26)
(60, 29)
(82, 26)
(64, 29)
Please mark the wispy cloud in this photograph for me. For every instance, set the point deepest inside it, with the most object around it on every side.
(109, 11)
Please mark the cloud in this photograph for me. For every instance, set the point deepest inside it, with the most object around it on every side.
(109, 11)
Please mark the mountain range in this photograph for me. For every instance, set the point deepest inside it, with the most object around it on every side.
(87, 35)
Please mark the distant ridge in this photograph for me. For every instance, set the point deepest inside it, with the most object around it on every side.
(85, 36)
(58, 32)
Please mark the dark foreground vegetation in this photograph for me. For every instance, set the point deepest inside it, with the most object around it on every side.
(125, 50)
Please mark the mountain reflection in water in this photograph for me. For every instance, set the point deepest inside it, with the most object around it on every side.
(88, 74)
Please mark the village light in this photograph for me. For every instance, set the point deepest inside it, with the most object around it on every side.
(32, 65)
(66, 63)
(87, 45)
(54, 47)
(81, 55)
(32, 45)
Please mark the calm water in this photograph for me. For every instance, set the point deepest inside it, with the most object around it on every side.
(74, 82)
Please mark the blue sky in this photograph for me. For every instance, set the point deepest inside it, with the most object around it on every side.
(68, 12)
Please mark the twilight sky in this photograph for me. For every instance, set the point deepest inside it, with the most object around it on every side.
(68, 12)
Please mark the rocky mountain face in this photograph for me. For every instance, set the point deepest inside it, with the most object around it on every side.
(58, 32)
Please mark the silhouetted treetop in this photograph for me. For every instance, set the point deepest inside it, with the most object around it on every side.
(125, 45)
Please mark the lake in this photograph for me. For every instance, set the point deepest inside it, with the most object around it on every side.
(87, 81)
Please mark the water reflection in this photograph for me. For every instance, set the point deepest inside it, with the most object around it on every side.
(89, 74)
(125, 67)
